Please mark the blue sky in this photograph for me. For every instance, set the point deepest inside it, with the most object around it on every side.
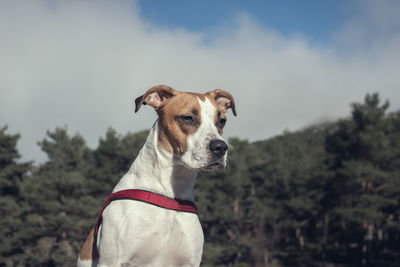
(315, 20)
(288, 64)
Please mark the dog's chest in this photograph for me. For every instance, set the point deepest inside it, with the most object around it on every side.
(160, 237)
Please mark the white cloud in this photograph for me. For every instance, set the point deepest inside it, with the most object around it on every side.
(82, 63)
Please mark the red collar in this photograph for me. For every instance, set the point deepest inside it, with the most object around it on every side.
(150, 198)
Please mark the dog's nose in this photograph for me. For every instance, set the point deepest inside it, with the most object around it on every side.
(218, 148)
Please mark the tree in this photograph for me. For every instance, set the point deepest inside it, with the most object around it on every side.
(12, 174)
(57, 193)
(364, 190)
(288, 190)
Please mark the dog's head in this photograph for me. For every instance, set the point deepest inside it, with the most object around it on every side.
(191, 125)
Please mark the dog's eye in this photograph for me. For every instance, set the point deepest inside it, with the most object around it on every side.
(187, 119)
(222, 121)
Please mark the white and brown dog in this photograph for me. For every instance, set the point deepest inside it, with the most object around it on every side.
(185, 139)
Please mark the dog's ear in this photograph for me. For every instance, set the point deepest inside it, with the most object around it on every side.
(223, 99)
(156, 97)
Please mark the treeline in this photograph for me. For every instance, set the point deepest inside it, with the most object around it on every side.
(328, 195)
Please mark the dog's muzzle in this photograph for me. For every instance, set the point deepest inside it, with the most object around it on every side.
(217, 153)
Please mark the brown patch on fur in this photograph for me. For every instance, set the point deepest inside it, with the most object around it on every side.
(174, 131)
(217, 118)
(89, 249)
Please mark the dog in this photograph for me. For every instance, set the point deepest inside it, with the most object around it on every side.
(185, 138)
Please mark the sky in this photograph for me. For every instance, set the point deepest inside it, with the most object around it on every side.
(288, 64)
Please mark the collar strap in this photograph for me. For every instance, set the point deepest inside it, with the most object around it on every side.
(150, 198)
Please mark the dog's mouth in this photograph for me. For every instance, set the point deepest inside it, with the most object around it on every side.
(215, 166)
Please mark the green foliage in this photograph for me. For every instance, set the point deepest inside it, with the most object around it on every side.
(325, 195)
(55, 192)
(362, 207)
(12, 208)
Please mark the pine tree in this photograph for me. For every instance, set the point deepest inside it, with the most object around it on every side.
(364, 189)
(57, 192)
(287, 185)
(12, 174)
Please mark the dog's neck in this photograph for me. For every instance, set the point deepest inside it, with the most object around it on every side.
(158, 171)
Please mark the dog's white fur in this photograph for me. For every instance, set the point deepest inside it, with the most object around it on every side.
(134, 233)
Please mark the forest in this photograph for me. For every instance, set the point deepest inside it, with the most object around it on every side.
(325, 195)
